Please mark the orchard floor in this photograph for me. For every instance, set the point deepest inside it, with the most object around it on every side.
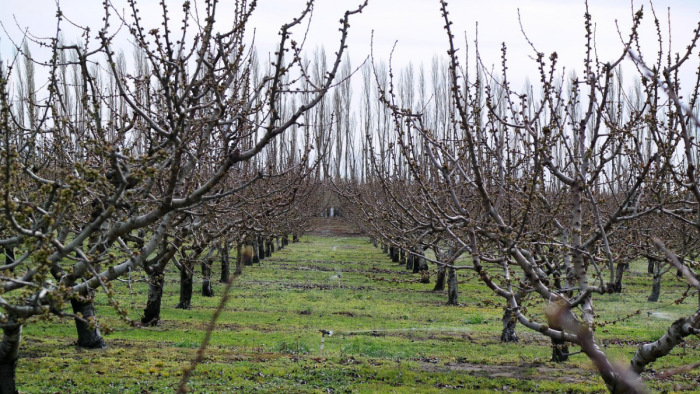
(391, 333)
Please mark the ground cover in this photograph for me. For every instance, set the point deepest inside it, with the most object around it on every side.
(391, 334)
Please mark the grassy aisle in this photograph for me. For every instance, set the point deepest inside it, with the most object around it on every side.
(391, 334)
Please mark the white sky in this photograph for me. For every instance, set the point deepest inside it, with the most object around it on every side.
(553, 25)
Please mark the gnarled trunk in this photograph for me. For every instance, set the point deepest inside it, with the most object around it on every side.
(508, 333)
(261, 248)
(655, 268)
(560, 348)
(650, 352)
(655, 289)
(155, 271)
(239, 259)
(619, 272)
(9, 353)
(419, 260)
(256, 254)
(452, 293)
(269, 247)
(440, 279)
(151, 315)
(186, 279)
(225, 262)
(89, 336)
(207, 290)
(394, 252)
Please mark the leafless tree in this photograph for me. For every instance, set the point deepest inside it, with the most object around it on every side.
(85, 169)
(545, 188)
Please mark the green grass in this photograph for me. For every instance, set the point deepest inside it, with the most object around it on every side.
(392, 334)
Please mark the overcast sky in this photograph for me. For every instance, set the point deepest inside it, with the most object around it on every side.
(553, 25)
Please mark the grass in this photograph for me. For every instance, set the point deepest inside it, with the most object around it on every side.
(391, 334)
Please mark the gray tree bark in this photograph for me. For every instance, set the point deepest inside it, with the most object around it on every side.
(151, 315)
(508, 333)
(452, 293)
(186, 278)
(650, 352)
(225, 262)
(440, 279)
(9, 353)
(89, 336)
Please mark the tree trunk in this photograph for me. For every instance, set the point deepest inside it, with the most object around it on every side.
(418, 261)
(207, 290)
(440, 278)
(650, 352)
(261, 248)
(207, 263)
(151, 315)
(225, 262)
(9, 353)
(247, 251)
(269, 247)
(409, 261)
(385, 249)
(619, 272)
(654, 267)
(655, 288)
(256, 252)
(402, 257)
(295, 238)
(186, 274)
(560, 349)
(510, 321)
(239, 259)
(279, 245)
(508, 334)
(88, 334)
(423, 263)
(452, 294)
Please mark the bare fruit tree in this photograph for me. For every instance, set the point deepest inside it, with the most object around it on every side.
(551, 189)
(98, 172)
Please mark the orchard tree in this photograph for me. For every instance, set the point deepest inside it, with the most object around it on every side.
(542, 187)
(105, 154)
